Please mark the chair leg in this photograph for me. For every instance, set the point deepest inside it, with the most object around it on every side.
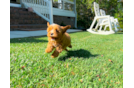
(100, 28)
(97, 26)
(116, 28)
(105, 27)
(110, 25)
(92, 24)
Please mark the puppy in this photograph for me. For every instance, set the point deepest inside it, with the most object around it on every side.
(58, 39)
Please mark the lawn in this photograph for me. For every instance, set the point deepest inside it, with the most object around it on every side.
(95, 61)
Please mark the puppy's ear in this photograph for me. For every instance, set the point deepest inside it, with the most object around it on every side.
(48, 24)
(64, 28)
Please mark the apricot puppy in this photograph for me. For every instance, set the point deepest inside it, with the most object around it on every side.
(58, 39)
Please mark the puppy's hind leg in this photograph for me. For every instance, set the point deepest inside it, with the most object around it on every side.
(55, 54)
(70, 46)
(66, 49)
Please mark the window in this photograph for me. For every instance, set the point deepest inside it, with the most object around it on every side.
(68, 4)
(58, 4)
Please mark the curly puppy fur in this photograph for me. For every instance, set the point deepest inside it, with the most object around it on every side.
(58, 39)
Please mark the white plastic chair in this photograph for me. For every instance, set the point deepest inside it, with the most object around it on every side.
(101, 21)
(114, 20)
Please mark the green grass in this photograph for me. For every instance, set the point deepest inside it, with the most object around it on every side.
(95, 61)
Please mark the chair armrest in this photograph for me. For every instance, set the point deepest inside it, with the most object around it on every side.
(107, 15)
(103, 20)
(101, 17)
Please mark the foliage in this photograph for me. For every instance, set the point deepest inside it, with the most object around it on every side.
(85, 11)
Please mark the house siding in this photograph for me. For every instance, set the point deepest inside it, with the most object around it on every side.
(63, 20)
(22, 19)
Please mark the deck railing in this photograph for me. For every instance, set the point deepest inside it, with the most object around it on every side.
(66, 5)
(43, 8)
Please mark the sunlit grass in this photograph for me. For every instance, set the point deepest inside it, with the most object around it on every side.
(95, 61)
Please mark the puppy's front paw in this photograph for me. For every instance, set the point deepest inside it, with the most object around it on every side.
(48, 50)
(59, 50)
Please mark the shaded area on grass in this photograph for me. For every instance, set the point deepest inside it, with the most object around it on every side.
(27, 40)
(119, 33)
(81, 53)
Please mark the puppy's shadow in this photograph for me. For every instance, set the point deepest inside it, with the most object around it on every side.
(81, 53)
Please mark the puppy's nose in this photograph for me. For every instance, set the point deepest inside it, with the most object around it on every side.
(51, 33)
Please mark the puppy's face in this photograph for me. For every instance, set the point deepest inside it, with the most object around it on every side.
(55, 31)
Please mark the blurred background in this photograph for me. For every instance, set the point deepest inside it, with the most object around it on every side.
(85, 10)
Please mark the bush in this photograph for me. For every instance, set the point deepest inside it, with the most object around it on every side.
(85, 11)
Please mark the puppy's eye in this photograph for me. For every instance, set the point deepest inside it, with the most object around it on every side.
(57, 31)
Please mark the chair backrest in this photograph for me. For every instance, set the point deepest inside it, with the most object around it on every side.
(102, 12)
(96, 9)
